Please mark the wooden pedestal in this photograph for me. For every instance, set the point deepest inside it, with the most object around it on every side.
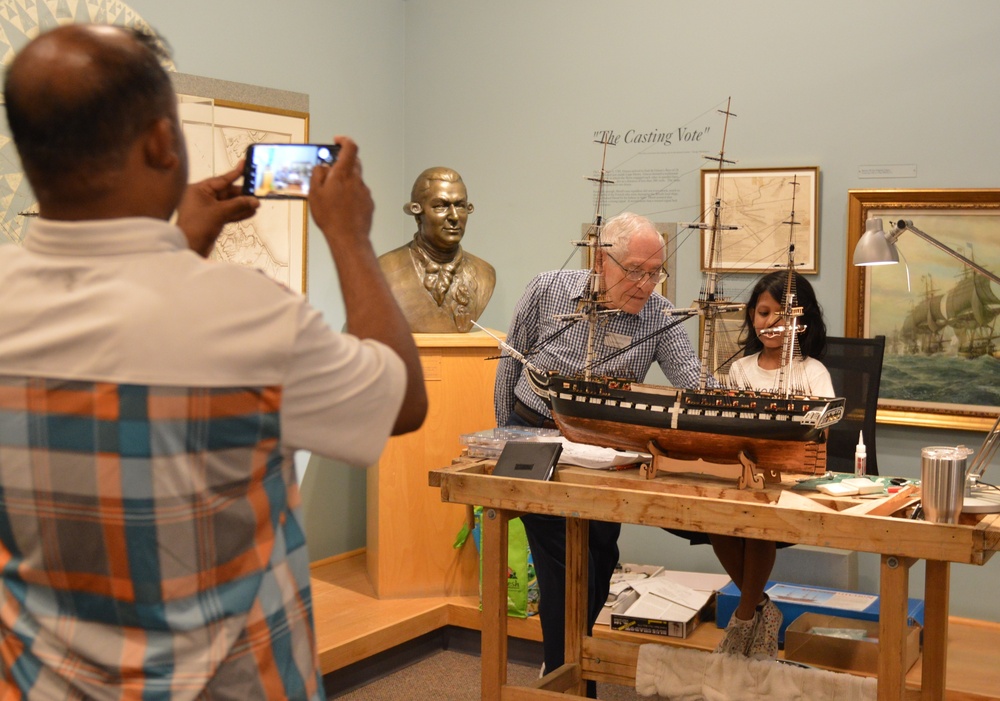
(410, 530)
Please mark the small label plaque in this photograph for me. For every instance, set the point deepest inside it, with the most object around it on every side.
(888, 171)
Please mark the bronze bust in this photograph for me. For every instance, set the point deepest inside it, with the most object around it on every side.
(440, 287)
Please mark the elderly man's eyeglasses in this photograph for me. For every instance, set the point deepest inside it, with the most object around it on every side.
(640, 276)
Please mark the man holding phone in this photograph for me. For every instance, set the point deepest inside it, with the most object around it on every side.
(151, 535)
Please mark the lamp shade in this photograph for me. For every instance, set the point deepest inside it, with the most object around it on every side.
(874, 248)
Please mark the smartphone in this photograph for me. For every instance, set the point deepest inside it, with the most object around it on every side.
(282, 171)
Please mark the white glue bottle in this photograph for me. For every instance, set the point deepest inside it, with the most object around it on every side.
(860, 456)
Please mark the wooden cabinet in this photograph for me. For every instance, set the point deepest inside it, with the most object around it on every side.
(410, 531)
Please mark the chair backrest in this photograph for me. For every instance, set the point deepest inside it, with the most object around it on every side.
(855, 366)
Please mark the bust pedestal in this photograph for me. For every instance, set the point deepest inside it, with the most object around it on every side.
(410, 530)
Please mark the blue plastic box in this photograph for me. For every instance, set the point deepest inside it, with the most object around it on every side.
(810, 601)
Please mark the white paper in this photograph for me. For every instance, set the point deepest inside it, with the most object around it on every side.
(699, 581)
(659, 609)
(596, 457)
(664, 588)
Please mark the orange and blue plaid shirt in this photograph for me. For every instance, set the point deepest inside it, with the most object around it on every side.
(109, 579)
(151, 534)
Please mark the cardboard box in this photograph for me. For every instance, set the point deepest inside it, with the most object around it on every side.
(809, 639)
(622, 595)
(794, 600)
(673, 622)
(670, 603)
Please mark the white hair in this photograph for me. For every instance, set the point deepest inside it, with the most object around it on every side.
(621, 228)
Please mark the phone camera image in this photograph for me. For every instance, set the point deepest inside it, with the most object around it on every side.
(283, 171)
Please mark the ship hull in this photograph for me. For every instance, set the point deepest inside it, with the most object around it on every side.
(776, 432)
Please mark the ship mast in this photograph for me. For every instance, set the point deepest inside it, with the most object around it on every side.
(790, 312)
(592, 305)
(712, 302)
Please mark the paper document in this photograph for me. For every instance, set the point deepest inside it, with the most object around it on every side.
(659, 609)
(596, 457)
(666, 589)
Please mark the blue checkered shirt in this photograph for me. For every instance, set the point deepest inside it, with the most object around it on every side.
(551, 344)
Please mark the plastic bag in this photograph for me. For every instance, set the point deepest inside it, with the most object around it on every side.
(522, 585)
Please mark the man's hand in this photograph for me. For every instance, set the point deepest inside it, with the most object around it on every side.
(342, 207)
(339, 200)
(209, 205)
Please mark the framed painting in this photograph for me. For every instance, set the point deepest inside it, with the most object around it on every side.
(219, 122)
(761, 211)
(668, 230)
(942, 353)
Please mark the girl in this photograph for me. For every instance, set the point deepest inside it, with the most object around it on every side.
(753, 628)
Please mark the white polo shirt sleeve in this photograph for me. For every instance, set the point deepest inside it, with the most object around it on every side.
(341, 395)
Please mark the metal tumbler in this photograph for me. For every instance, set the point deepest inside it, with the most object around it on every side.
(942, 482)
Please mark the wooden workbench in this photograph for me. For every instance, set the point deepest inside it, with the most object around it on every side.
(676, 501)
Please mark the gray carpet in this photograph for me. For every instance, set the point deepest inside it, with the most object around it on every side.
(446, 675)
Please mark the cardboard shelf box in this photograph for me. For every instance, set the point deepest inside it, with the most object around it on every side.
(663, 602)
(808, 639)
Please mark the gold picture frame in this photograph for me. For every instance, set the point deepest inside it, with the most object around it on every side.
(759, 203)
(931, 376)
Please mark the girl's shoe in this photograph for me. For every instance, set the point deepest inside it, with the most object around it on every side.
(739, 635)
(764, 641)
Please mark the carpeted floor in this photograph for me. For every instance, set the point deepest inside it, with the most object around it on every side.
(446, 675)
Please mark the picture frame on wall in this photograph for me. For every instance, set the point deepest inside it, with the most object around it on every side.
(760, 204)
(940, 319)
(220, 119)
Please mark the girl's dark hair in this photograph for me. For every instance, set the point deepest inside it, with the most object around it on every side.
(812, 341)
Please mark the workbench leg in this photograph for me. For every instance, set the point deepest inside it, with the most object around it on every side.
(937, 585)
(494, 594)
(894, 585)
(577, 538)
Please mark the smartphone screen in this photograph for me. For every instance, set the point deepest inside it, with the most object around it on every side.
(282, 171)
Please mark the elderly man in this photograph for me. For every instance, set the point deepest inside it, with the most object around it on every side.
(440, 287)
(151, 401)
(633, 267)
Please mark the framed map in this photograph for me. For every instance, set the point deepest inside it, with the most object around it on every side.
(761, 211)
(218, 132)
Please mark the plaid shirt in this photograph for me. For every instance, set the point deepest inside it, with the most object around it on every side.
(111, 588)
(151, 531)
(557, 345)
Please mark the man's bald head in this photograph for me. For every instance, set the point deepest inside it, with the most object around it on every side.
(78, 96)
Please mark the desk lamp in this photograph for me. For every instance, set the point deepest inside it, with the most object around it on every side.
(879, 248)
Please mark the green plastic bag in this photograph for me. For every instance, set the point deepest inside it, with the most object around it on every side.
(522, 585)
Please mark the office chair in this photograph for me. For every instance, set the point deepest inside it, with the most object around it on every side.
(855, 366)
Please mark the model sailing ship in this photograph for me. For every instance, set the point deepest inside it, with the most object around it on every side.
(780, 430)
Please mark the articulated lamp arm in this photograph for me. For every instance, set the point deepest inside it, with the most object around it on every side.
(906, 225)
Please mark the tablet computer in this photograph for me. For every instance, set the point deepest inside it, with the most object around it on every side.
(535, 460)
